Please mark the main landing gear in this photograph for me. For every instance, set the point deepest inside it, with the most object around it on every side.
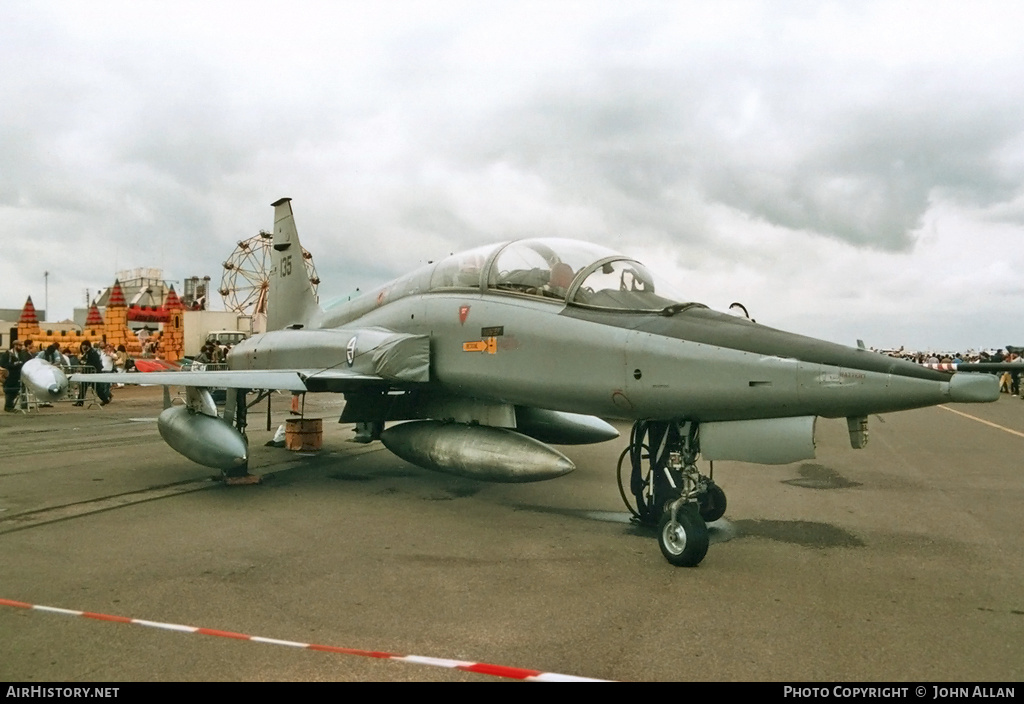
(668, 491)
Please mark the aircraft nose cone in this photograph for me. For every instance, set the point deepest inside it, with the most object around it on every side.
(54, 389)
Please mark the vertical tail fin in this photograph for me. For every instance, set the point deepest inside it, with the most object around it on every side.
(290, 299)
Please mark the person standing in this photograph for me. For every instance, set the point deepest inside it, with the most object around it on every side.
(12, 360)
(91, 358)
(120, 360)
(1015, 374)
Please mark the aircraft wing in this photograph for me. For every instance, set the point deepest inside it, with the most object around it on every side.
(285, 379)
(374, 358)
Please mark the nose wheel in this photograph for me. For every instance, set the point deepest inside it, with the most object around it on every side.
(667, 491)
(683, 536)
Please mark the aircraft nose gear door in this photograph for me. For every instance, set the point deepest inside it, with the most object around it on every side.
(668, 491)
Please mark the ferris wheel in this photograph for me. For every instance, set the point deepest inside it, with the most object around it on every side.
(247, 274)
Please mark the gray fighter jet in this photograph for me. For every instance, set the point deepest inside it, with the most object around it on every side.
(488, 356)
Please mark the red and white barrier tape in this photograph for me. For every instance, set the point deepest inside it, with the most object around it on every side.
(515, 673)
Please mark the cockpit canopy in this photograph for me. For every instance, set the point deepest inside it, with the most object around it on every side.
(575, 272)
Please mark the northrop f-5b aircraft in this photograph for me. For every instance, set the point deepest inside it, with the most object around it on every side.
(474, 364)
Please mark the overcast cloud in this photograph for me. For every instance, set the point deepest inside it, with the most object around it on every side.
(844, 169)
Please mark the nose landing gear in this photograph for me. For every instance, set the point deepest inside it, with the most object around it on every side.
(668, 491)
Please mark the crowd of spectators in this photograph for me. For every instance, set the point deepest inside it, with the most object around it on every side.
(86, 359)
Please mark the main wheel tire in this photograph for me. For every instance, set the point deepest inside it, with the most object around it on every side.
(684, 541)
(712, 504)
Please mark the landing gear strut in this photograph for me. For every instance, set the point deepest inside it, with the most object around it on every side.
(668, 491)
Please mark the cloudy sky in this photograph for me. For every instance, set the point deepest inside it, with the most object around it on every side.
(846, 170)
